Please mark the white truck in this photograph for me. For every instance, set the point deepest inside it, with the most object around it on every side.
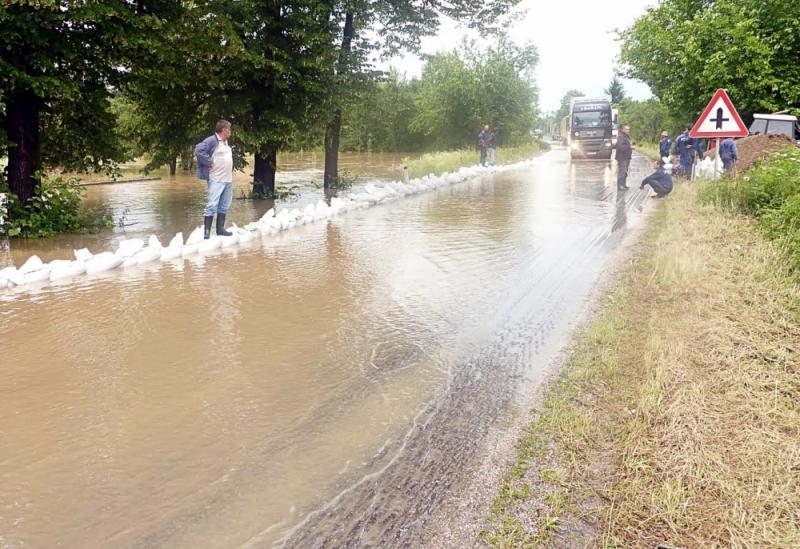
(778, 123)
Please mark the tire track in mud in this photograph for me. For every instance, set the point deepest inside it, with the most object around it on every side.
(390, 507)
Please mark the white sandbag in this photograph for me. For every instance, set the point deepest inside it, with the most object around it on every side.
(32, 264)
(270, 213)
(62, 268)
(82, 255)
(104, 261)
(130, 247)
(13, 276)
(174, 249)
(228, 241)
(189, 249)
(245, 236)
(177, 240)
(148, 254)
(38, 276)
(171, 252)
(196, 236)
(210, 244)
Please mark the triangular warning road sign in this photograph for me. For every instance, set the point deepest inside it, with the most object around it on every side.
(719, 119)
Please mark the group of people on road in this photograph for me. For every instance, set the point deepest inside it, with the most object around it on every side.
(687, 150)
(487, 147)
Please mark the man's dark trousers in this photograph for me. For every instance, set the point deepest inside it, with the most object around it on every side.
(622, 172)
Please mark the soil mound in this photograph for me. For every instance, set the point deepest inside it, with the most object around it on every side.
(753, 147)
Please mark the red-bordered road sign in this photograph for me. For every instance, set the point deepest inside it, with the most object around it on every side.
(719, 119)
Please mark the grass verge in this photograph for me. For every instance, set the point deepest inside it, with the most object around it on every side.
(448, 161)
(676, 419)
(650, 150)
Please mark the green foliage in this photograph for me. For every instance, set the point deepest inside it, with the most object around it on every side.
(56, 207)
(685, 50)
(69, 55)
(462, 90)
(616, 90)
(770, 192)
(563, 109)
(457, 93)
(648, 119)
(379, 117)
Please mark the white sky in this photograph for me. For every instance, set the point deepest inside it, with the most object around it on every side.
(575, 40)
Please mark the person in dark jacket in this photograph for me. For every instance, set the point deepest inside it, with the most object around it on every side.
(728, 153)
(664, 145)
(686, 149)
(660, 181)
(491, 148)
(624, 149)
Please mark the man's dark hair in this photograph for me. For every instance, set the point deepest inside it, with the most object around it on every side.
(221, 125)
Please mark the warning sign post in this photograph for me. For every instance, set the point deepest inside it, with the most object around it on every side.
(719, 119)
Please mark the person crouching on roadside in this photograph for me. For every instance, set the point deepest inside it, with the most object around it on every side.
(215, 166)
(660, 181)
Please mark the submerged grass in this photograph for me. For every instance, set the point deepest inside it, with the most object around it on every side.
(676, 420)
(448, 161)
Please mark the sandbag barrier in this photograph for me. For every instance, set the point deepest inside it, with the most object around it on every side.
(135, 251)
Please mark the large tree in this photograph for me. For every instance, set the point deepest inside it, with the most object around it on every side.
(388, 26)
(59, 61)
(616, 90)
(684, 50)
(278, 76)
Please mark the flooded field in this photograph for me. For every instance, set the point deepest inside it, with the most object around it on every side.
(175, 203)
(323, 387)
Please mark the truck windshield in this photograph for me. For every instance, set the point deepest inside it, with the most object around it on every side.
(591, 119)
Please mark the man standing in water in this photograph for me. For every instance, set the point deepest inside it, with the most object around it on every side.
(624, 152)
(483, 143)
(215, 166)
(491, 148)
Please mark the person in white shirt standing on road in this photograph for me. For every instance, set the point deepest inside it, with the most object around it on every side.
(215, 165)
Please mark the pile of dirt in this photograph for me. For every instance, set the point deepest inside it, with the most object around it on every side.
(754, 147)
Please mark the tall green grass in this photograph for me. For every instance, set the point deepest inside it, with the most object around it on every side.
(770, 192)
(448, 161)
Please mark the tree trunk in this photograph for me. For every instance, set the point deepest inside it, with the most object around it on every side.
(173, 165)
(186, 160)
(334, 130)
(264, 173)
(22, 129)
(332, 135)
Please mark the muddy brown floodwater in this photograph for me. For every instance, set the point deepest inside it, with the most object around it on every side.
(321, 388)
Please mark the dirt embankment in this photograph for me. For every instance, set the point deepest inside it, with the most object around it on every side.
(754, 147)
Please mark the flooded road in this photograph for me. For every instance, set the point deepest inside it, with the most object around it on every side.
(323, 387)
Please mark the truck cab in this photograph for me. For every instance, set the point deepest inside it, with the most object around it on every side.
(784, 124)
(590, 127)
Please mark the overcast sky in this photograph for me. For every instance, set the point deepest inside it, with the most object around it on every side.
(575, 39)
